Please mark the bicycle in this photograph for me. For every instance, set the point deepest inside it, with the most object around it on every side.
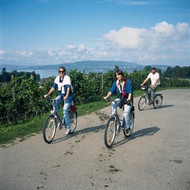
(54, 120)
(114, 125)
(157, 100)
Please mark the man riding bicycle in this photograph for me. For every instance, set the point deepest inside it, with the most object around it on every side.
(63, 83)
(155, 83)
(123, 87)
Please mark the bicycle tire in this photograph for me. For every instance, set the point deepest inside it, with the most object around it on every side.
(128, 133)
(112, 122)
(50, 123)
(143, 98)
(157, 102)
(73, 119)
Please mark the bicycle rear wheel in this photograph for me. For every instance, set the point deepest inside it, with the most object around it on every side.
(110, 132)
(142, 103)
(73, 119)
(157, 102)
(49, 129)
(128, 132)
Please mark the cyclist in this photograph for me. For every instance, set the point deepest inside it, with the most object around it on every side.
(155, 83)
(124, 88)
(63, 83)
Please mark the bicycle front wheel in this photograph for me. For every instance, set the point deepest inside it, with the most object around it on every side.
(73, 119)
(142, 103)
(157, 102)
(49, 129)
(110, 132)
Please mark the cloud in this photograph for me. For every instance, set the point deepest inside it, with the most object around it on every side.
(71, 46)
(162, 42)
(81, 47)
(2, 52)
(164, 28)
(132, 3)
(126, 37)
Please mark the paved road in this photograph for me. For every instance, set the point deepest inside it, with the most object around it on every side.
(156, 157)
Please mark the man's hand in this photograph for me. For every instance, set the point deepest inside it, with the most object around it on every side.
(105, 97)
(65, 98)
(46, 95)
(142, 84)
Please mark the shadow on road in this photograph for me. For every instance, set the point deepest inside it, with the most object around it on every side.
(140, 133)
(166, 106)
(94, 129)
(163, 106)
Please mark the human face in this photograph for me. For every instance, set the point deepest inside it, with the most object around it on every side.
(61, 73)
(153, 71)
(119, 77)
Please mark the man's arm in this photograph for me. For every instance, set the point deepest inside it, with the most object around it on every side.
(50, 91)
(108, 95)
(145, 81)
(67, 93)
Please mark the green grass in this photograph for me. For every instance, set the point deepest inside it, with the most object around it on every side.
(9, 133)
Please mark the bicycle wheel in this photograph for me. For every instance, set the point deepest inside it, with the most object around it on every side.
(157, 102)
(110, 132)
(128, 132)
(73, 119)
(49, 129)
(142, 103)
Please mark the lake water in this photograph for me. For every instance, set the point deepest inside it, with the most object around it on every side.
(43, 73)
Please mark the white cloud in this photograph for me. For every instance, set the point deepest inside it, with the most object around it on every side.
(160, 43)
(81, 47)
(126, 37)
(2, 52)
(71, 46)
(132, 3)
(164, 28)
(25, 53)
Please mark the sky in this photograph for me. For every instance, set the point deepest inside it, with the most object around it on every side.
(41, 32)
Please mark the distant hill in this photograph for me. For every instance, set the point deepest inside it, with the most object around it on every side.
(86, 66)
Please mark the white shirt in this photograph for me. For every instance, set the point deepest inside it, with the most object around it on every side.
(153, 78)
(60, 85)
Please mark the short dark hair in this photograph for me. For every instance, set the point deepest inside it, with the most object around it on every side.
(119, 72)
(62, 67)
(154, 68)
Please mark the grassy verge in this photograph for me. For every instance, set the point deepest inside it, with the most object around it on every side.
(22, 130)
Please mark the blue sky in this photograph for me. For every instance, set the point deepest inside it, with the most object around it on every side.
(56, 31)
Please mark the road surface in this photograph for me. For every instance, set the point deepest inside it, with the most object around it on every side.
(155, 157)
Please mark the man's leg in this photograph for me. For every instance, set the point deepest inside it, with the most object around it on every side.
(114, 105)
(126, 114)
(149, 93)
(153, 91)
(58, 101)
(66, 115)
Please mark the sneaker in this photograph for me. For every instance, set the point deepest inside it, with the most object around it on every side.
(67, 131)
(128, 130)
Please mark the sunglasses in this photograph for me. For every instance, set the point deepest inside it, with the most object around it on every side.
(61, 71)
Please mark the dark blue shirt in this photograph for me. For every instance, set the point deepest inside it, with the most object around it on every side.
(128, 89)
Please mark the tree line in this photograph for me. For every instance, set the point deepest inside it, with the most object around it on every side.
(6, 76)
(22, 97)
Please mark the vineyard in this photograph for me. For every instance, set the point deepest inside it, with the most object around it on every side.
(22, 97)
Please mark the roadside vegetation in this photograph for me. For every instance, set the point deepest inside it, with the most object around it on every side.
(23, 109)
